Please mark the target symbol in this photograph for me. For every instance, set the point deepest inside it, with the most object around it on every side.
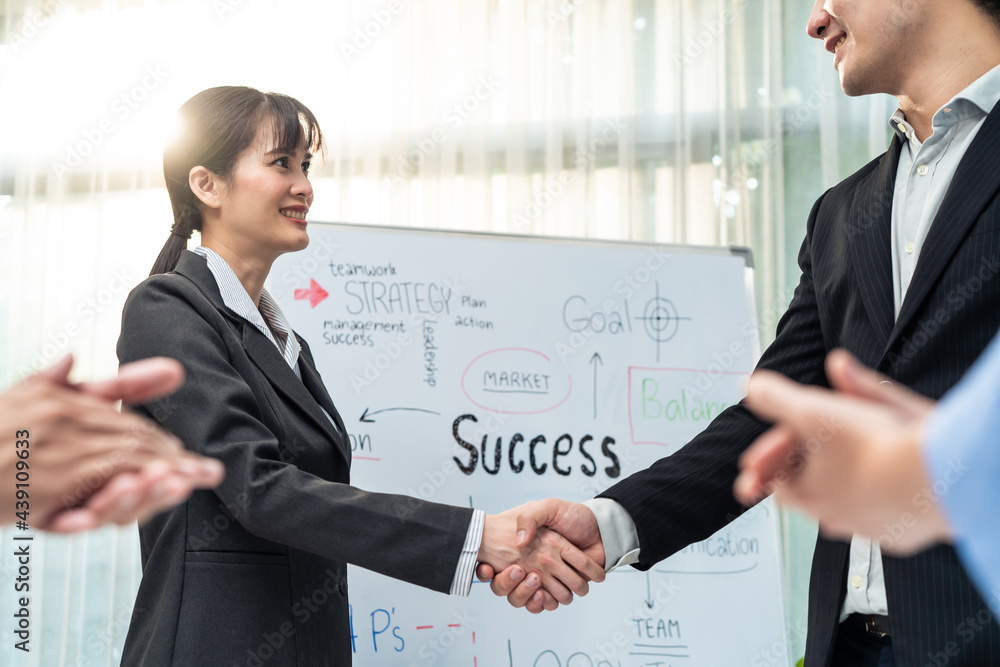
(660, 320)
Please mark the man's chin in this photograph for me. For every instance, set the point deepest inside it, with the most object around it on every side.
(852, 88)
(856, 86)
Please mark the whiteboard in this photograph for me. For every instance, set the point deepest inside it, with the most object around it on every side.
(594, 359)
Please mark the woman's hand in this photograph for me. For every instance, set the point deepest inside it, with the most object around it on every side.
(562, 567)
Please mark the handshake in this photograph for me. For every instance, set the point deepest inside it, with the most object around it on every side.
(541, 553)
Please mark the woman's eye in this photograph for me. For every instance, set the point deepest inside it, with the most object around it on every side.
(281, 162)
(305, 167)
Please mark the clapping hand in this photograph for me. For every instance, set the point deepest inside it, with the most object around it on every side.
(88, 463)
(851, 457)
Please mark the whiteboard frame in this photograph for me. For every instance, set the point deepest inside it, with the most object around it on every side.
(742, 251)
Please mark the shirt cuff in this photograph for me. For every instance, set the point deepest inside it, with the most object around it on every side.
(462, 583)
(618, 533)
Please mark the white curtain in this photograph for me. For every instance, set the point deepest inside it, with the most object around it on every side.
(676, 121)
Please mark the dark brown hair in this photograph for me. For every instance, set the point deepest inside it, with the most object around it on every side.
(991, 8)
(215, 126)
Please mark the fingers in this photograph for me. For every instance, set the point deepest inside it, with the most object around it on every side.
(70, 416)
(849, 375)
(552, 582)
(503, 583)
(118, 495)
(485, 572)
(104, 445)
(511, 583)
(528, 594)
(136, 440)
(770, 395)
(834, 530)
(74, 521)
(202, 471)
(805, 411)
(59, 372)
(139, 381)
(772, 458)
(519, 590)
(100, 460)
(164, 495)
(542, 558)
(560, 578)
(581, 563)
(137, 496)
(131, 495)
(541, 601)
(159, 490)
(529, 518)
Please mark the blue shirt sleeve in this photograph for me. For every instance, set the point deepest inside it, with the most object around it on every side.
(962, 457)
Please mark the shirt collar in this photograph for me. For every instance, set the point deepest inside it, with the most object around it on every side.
(236, 298)
(977, 100)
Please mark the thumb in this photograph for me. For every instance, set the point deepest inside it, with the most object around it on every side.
(849, 375)
(73, 521)
(769, 461)
(532, 516)
(770, 394)
(58, 372)
(139, 381)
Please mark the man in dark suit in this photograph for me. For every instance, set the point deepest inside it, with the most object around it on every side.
(899, 266)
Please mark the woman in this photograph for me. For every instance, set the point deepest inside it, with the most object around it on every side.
(255, 571)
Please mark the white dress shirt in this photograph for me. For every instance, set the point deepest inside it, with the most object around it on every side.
(925, 171)
(271, 322)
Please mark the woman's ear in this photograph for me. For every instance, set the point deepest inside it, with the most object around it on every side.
(206, 186)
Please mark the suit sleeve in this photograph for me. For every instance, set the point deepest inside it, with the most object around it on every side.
(216, 414)
(688, 496)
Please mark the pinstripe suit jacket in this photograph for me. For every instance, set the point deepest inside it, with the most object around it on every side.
(845, 299)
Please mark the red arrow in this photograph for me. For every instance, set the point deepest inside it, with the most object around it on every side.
(315, 293)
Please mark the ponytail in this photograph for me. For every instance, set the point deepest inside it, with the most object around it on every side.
(180, 233)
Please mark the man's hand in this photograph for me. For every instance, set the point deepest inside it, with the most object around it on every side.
(89, 463)
(575, 522)
(851, 458)
(562, 568)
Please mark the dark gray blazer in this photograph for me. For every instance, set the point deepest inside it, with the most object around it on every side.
(257, 567)
(845, 299)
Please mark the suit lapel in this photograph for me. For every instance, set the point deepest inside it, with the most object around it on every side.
(265, 355)
(975, 184)
(871, 218)
(313, 382)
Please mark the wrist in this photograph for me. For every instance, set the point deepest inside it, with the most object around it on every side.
(496, 548)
